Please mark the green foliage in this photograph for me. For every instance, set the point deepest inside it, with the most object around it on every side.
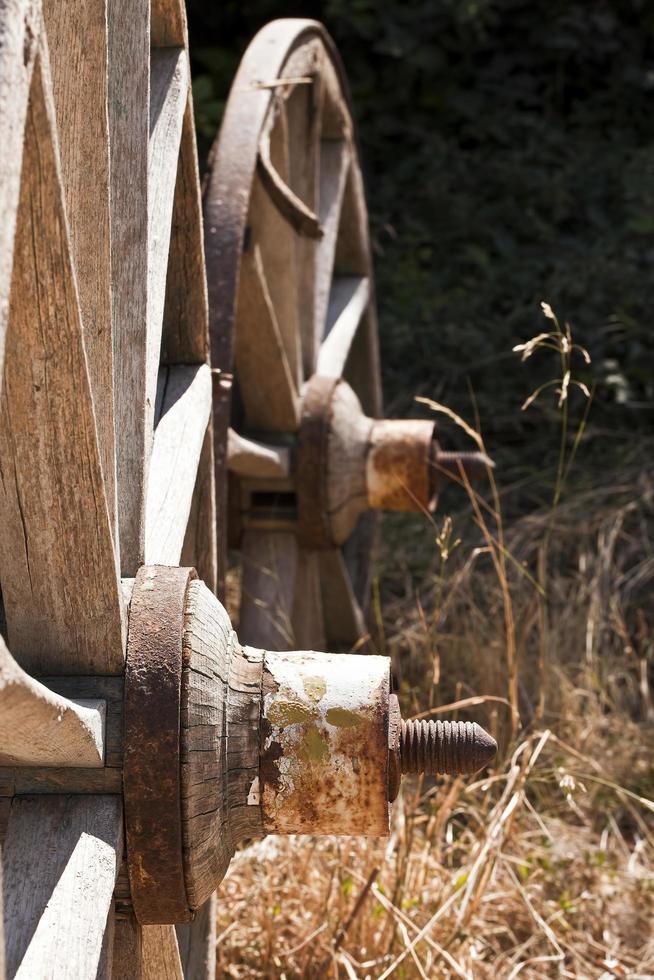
(509, 159)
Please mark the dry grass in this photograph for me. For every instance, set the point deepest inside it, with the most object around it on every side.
(543, 867)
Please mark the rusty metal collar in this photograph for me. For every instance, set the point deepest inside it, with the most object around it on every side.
(151, 768)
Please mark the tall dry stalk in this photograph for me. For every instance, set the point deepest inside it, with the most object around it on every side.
(560, 341)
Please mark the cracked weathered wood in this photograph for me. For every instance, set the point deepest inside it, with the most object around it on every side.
(129, 127)
(60, 860)
(20, 26)
(197, 943)
(179, 437)
(57, 563)
(77, 38)
(221, 691)
(41, 728)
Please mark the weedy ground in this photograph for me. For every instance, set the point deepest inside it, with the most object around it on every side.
(543, 866)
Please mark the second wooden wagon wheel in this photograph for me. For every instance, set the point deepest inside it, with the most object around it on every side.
(293, 321)
(140, 742)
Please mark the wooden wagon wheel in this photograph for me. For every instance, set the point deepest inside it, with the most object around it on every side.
(293, 326)
(139, 741)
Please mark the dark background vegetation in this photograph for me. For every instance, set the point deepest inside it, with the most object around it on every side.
(509, 158)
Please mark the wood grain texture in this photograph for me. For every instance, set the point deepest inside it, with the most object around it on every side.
(57, 562)
(276, 241)
(178, 441)
(348, 299)
(347, 449)
(60, 860)
(253, 458)
(200, 543)
(41, 728)
(270, 563)
(221, 692)
(185, 335)
(145, 952)
(129, 128)
(20, 26)
(353, 258)
(168, 23)
(77, 38)
(127, 952)
(197, 943)
(344, 621)
(307, 615)
(303, 111)
(265, 377)
(335, 158)
(169, 81)
(160, 954)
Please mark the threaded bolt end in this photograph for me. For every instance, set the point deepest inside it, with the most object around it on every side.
(475, 465)
(447, 747)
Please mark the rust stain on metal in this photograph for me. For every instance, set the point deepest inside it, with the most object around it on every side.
(151, 769)
(324, 769)
(399, 463)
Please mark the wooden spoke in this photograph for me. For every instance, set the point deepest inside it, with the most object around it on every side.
(129, 128)
(41, 728)
(335, 156)
(168, 97)
(200, 545)
(197, 943)
(145, 952)
(352, 246)
(272, 167)
(168, 23)
(57, 563)
(20, 26)
(307, 615)
(77, 37)
(185, 327)
(61, 856)
(275, 241)
(344, 621)
(266, 380)
(160, 953)
(183, 409)
(270, 562)
(279, 243)
(348, 299)
(249, 457)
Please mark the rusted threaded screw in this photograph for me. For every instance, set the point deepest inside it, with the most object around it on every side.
(452, 747)
(448, 465)
(448, 747)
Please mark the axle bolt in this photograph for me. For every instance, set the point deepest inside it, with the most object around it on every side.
(435, 747)
(447, 465)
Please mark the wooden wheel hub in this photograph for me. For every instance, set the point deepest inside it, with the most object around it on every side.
(224, 742)
(348, 463)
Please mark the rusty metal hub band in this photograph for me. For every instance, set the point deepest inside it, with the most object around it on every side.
(151, 768)
(314, 530)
